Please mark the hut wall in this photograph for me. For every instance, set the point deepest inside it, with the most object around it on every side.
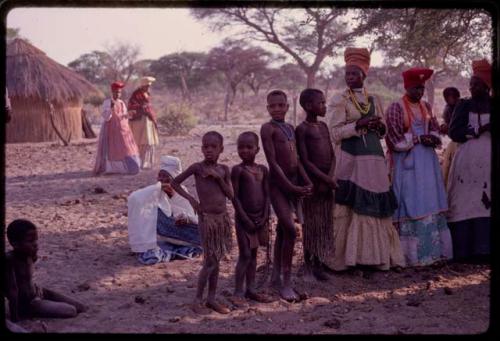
(31, 121)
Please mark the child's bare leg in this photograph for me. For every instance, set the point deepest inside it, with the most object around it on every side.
(55, 296)
(203, 275)
(212, 287)
(307, 265)
(283, 212)
(251, 269)
(244, 261)
(278, 245)
(46, 308)
(250, 277)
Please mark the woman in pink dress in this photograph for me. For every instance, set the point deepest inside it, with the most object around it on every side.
(117, 151)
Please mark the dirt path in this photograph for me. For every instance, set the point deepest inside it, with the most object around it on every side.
(84, 253)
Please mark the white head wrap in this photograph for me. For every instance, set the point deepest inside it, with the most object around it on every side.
(147, 80)
(171, 164)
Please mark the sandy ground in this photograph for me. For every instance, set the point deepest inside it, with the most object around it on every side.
(84, 253)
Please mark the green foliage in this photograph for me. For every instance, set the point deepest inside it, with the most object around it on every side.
(177, 119)
(94, 100)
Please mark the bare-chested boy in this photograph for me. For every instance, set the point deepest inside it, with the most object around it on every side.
(251, 203)
(26, 299)
(213, 185)
(316, 154)
(287, 183)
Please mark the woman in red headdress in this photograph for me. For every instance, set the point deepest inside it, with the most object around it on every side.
(412, 136)
(469, 180)
(116, 151)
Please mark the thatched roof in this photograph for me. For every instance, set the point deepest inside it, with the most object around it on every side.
(31, 74)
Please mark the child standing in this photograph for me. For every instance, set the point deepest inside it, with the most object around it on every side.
(213, 185)
(251, 204)
(288, 182)
(26, 299)
(316, 154)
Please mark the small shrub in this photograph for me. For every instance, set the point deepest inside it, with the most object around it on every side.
(177, 119)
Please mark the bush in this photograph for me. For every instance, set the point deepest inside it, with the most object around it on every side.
(177, 119)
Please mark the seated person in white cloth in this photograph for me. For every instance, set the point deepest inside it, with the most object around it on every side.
(159, 209)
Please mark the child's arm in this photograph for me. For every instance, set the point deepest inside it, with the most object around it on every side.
(12, 290)
(223, 181)
(176, 184)
(304, 158)
(248, 224)
(267, 197)
(266, 134)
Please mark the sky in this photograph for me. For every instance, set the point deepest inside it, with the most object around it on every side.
(64, 34)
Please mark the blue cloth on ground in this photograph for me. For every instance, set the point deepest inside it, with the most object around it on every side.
(165, 251)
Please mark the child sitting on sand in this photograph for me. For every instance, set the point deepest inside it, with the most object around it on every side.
(26, 299)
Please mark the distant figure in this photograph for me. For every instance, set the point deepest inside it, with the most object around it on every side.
(469, 180)
(288, 184)
(8, 108)
(413, 134)
(116, 150)
(364, 200)
(27, 299)
(213, 185)
(251, 205)
(143, 122)
(451, 97)
(317, 156)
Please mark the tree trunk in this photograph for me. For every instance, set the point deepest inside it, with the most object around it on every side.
(429, 88)
(294, 117)
(185, 90)
(227, 100)
(311, 78)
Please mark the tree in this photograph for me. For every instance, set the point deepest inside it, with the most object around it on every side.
(442, 39)
(236, 63)
(118, 62)
(92, 66)
(185, 70)
(121, 62)
(306, 35)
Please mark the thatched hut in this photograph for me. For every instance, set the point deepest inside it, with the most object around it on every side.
(35, 81)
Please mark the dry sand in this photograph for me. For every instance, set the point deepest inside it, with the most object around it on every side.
(84, 253)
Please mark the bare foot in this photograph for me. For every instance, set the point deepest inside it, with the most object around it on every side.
(198, 308)
(238, 301)
(220, 308)
(288, 294)
(258, 297)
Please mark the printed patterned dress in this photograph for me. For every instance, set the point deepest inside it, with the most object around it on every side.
(418, 184)
(364, 200)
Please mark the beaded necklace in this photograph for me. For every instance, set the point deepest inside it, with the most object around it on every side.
(288, 131)
(362, 108)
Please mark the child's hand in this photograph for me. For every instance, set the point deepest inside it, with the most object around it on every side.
(332, 183)
(181, 221)
(211, 173)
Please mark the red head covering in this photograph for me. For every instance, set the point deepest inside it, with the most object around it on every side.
(359, 57)
(117, 85)
(416, 76)
(482, 69)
